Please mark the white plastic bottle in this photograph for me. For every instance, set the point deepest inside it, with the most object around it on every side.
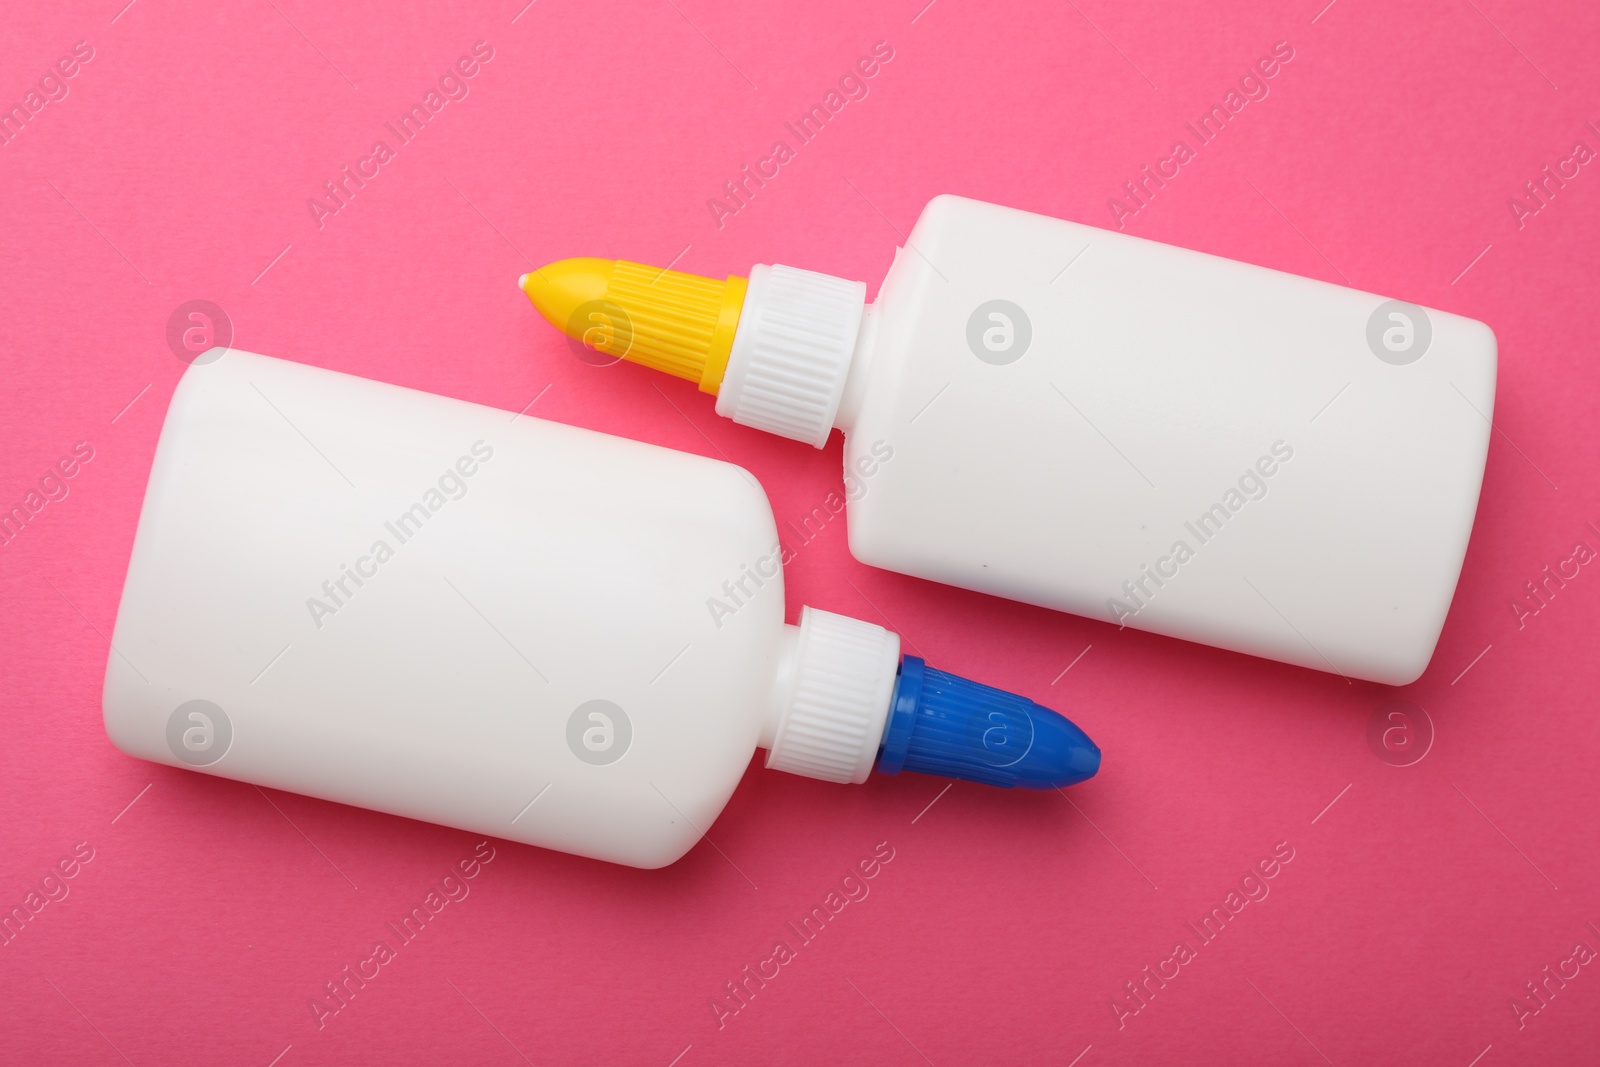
(1093, 422)
(445, 611)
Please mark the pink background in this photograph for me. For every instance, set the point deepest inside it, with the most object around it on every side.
(1420, 898)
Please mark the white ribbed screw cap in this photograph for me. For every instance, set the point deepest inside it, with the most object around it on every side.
(791, 353)
(833, 700)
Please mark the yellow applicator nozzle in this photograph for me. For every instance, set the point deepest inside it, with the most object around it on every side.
(679, 323)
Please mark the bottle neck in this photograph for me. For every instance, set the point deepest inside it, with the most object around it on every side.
(792, 353)
(855, 382)
(831, 694)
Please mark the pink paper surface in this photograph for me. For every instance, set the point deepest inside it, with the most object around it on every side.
(1388, 152)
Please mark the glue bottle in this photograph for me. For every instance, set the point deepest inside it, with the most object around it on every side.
(1093, 422)
(445, 611)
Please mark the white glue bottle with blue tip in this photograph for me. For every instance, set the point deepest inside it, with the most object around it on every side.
(440, 610)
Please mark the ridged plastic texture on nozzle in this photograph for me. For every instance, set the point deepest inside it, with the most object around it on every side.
(947, 725)
(673, 317)
(679, 323)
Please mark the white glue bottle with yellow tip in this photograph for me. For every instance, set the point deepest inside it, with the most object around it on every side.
(1105, 425)
(450, 612)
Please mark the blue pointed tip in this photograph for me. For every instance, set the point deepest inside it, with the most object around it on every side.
(948, 725)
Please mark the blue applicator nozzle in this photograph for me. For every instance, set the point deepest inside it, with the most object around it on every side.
(947, 725)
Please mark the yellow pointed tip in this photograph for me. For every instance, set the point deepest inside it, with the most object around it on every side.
(679, 323)
(558, 290)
